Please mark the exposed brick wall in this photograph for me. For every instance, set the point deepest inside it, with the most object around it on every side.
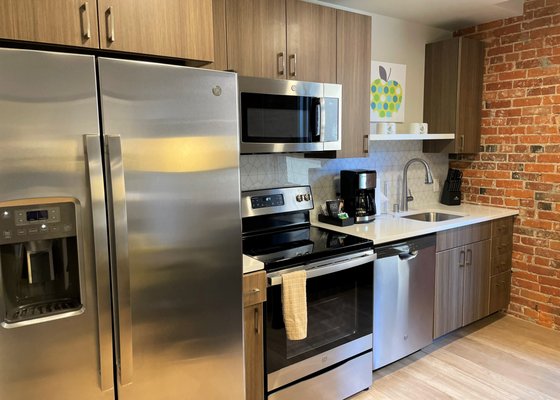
(519, 162)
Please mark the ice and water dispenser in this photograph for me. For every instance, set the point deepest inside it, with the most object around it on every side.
(39, 261)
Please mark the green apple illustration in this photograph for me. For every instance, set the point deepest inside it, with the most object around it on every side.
(386, 94)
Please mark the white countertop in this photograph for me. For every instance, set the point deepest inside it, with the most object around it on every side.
(251, 264)
(390, 227)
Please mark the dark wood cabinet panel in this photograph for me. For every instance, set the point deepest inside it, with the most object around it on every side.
(453, 94)
(66, 22)
(448, 303)
(353, 72)
(171, 28)
(256, 37)
(476, 281)
(311, 42)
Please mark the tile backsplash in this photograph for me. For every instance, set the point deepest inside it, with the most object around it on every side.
(387, 158)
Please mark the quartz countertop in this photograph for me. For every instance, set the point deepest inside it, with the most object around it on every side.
(251, 264)
(390, 227)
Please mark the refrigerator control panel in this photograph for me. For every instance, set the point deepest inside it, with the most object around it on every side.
(22, 223)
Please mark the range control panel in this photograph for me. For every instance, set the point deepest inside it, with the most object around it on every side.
(275, 201)
(23, 223)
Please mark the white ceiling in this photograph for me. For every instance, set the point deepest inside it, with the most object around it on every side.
(444, 14)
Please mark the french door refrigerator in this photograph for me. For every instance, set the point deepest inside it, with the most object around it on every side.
(120, 245)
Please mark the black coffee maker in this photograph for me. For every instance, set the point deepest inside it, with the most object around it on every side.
(357, 189)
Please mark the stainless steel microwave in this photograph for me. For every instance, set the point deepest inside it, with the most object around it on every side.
(282, 116)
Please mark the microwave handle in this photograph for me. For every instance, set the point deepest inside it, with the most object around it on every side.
(318, 119)
(321, 119)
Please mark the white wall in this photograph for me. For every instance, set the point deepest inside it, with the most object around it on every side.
(403, 42)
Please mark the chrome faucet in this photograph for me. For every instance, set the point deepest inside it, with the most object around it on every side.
(405, 198)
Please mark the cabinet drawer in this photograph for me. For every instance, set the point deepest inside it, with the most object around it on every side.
(464, 235)
(501, 254)
(502, 227)
(254, 288)
(500, 287)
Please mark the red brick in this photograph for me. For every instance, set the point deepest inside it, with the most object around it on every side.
(528, 101)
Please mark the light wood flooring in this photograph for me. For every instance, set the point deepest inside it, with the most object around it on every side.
(499, 357)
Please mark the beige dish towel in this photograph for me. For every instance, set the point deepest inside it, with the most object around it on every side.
(294, 304)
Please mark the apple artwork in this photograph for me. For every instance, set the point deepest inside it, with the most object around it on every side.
(386, 95)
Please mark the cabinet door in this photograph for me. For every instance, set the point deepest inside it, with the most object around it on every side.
(500, 287)
(220, 40)
(477, 281)
(254, 360)
(448, 303)
(311, 39)
(353, 72)
(172, 28)
(256, 37)
(68, 22)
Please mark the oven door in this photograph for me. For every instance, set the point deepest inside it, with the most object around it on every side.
(280, 116)
(340, 320)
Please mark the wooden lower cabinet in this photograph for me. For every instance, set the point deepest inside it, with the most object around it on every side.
(500, 264)
(462, 286)
(254, 357)
(254, 295)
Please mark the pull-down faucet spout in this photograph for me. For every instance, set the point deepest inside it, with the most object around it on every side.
(429, 180)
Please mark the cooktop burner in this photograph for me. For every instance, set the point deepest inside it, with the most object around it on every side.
(279, 250)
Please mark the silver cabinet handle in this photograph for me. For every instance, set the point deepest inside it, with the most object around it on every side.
(101, 253)
(469, 257)
(366, 144)
(110, 24)
(462, 142)
(293, 71)
(255, 290)
(281, 64)
(118, 233)
(408, 256)
(462, 258)
(256, 315)
(86, 25)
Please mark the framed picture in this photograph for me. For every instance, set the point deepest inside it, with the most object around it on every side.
(387, 90)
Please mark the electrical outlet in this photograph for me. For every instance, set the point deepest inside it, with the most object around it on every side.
(435, 186)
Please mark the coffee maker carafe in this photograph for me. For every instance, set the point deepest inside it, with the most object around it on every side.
(357, 189)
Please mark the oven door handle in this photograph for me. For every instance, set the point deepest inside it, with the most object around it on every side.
(275, 278)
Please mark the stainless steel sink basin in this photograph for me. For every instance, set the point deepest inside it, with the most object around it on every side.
(431, 216)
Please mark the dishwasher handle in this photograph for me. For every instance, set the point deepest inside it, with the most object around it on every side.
(408, 256)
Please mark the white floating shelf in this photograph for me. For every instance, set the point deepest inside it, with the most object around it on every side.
(412, 136)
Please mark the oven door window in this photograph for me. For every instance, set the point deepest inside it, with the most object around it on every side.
(267, 118)
(339, 310)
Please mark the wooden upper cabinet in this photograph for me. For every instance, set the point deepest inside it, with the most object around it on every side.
(353, 71)
(311, 42)
(65, 22)
(453, 94)
(171, 28)
(256, 37)
(220, 49)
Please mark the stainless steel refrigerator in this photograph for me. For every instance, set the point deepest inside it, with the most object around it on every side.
(120, 248)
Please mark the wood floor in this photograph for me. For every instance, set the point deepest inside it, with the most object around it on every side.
(500, 357)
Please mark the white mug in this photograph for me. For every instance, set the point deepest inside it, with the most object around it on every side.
(386, 128)
(418, 127)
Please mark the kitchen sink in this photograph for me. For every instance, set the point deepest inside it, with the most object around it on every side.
(432, 216)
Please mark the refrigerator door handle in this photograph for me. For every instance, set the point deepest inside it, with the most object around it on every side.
(100, 248)
(118, 232)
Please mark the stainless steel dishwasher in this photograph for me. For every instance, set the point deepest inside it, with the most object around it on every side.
(403, 304)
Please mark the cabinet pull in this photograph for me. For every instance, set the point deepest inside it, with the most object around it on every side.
(293, 72)
(462, 142)
(281, 64)
(366, 144)
(110, 25)
(462, 258)
(86, 25)
(255, 290)
(469, 257)
(256, 315)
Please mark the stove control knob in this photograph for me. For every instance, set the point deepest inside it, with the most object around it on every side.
(307, 196)
(299, 198)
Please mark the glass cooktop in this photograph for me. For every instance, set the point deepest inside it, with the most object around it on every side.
(279, 250)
